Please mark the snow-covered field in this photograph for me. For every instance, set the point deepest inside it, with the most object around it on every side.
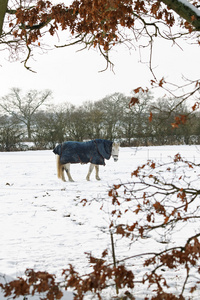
(44, 226)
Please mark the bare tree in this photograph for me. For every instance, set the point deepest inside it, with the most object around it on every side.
(112, 108)
(94, 120)
(11, 134)
(52, 126)
(23, 108)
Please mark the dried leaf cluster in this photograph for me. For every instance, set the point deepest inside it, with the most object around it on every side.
(100, 24)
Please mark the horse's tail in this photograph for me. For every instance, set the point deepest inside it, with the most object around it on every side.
(59, 167)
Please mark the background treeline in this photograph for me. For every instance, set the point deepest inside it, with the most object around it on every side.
(110, 118)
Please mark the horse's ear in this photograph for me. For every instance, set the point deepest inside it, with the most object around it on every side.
(104, 148)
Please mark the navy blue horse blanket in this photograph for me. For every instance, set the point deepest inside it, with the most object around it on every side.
(95, 152)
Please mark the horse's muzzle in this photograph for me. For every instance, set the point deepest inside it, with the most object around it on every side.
(115, 158)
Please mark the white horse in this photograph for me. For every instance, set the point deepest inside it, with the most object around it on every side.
(95, 152)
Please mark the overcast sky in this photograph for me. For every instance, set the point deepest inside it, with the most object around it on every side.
(74, 76)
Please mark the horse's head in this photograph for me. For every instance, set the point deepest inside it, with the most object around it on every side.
(115, 151)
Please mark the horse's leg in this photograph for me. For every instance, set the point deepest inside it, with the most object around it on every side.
(67, 169)
(97, 172)
(91, 167)
(62, 175)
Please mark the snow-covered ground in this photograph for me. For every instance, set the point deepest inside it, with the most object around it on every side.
(44, 226)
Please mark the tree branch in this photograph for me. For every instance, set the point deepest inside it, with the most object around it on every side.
(186, 11)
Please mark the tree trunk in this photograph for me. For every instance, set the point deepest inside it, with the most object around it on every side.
(29, 129)
(3, 8)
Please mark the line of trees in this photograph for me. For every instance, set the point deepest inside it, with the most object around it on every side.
(31, 118)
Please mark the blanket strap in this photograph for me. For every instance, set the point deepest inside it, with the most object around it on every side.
(80, 160)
